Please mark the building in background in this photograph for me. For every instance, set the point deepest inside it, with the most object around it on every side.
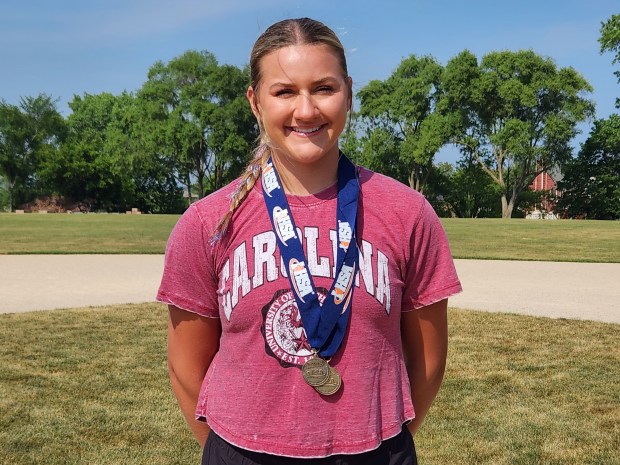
(546, 185)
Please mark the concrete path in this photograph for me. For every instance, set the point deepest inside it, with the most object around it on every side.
(44, 282)
(589, 291)
(558, 290)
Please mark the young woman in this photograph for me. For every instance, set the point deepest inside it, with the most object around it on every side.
(308, 299)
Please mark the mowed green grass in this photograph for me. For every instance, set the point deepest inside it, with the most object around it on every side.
(546, 240)
(86, 386)
(515, 239)
(33, 233)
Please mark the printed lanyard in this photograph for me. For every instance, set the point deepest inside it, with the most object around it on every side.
(325, 323)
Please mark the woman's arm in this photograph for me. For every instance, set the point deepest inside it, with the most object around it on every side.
(424, 334)
(193, 341)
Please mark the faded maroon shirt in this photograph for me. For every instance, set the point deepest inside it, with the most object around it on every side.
(253, 394)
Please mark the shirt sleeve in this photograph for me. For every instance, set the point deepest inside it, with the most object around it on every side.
(189, 280)
(430, 274)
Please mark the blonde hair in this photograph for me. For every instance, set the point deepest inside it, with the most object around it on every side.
(301, 31)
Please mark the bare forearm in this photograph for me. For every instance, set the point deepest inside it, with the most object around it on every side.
(424, 389)
(425, 348)
(187, 398)
(193, 342)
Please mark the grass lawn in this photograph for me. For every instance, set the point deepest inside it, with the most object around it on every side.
(563, 240)
(547, 240)
(57, 233)
(86, 386)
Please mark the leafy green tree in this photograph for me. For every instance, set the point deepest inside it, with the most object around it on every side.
(403, 130)
(151, 186)
(16, 161)
(380, 152)
(473, 194)
(4, 196)
(29, 134)
(438, 187)
(610, 42)
(515, 113)
(463, 191)
(591, 184)
(103, 162)
(350, 142)
(197, 117)
(84, 169)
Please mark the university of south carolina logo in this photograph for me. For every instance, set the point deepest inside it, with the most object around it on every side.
(301, 279)
(270, 180)
(342, 286)
(285, 337)
(283, 223)
(344, 234)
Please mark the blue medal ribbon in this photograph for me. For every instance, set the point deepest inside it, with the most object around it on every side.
(325, 323)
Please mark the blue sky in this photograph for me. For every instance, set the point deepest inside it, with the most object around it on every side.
(67, 47)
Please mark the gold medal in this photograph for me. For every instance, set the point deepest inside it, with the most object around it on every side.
(332, 384)
(315, 371)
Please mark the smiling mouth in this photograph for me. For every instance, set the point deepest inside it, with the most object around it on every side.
(307, 131)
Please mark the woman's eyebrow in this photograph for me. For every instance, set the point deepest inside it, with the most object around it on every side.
(328, 79)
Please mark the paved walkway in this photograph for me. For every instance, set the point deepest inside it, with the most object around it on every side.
(559, 290)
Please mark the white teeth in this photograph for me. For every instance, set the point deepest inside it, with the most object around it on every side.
(306, 131)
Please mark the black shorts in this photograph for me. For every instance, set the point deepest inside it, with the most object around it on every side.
(398, 450)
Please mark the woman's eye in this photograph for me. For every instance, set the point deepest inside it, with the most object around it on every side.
(284, 92)
(325, 89)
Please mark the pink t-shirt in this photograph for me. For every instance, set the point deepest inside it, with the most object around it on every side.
(253, 394)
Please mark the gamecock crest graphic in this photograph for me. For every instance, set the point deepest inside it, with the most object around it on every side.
(285, 337)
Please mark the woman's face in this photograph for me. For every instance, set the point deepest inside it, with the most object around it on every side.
(302, 101)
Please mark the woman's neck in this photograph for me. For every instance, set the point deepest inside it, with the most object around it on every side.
(306, 179)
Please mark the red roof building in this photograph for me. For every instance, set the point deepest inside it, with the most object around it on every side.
(547, 183)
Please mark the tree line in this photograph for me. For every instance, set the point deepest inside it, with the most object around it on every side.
(189, 131)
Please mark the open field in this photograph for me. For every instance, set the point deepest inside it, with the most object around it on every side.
(543, 240)
(90, 386)
(57, 233)
(563, 240)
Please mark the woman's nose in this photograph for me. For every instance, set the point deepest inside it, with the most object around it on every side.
(305, 107)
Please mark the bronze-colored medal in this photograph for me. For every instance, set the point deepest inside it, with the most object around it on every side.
(332, 384)
(315, 371)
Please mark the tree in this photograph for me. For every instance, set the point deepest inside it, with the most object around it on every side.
(515, 113)
(610, 42)
(380, 151)
(84, 169)
(16, 161)
(350, 142)
(152, 186)
(103, 162)
(198, 118)
(465, 190)
(591, 184)
(29, 134)
(4, 196)
(402, 127)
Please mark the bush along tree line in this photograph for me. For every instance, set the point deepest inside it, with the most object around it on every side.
(189, 130)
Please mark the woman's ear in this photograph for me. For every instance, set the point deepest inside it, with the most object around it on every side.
(251, 96)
